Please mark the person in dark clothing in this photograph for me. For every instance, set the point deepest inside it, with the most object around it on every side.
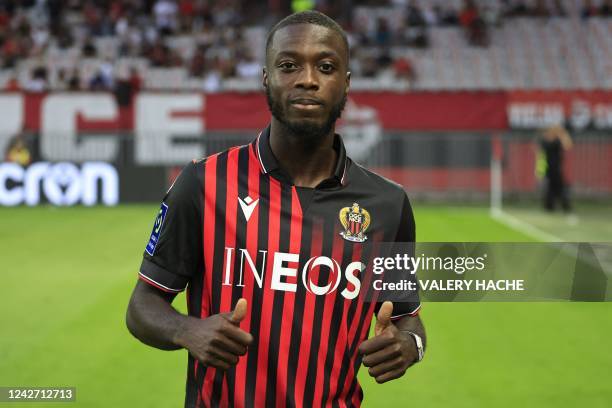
(556, 140)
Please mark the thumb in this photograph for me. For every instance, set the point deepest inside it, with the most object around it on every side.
(383, 319)
(239, 312)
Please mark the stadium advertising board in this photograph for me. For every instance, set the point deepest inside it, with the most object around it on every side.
(61, 184)
(580, 109)
(148, 140)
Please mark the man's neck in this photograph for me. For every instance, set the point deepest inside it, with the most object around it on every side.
(305, 162)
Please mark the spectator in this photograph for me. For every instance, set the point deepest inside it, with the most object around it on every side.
(248, 67)
(40, 39)
(64, 37)
(226, 66)
(130, 36)
(416, 30)
(10, 51)
(12, 85)
(589, 9)
(540, 9)
(369, 67)
(384, 63)
(187, 11)
(404, 70)
(97, 82)
(55, 10)
(135, 79)
(165, 16)
(473, 24)
(5, 19)
(468, 14)
(383, 35)
(491, 14)
(446, 15)
(197, 65)
(414, 16)
(159, 54)
(606, 8)
(93, 18)
(516, 8)
(226, 13)
(430, 15)
(74, 83)
(18, 152)
(37, 81)
(212, 80)
(61, 82)
(559, 9)
(89, 49)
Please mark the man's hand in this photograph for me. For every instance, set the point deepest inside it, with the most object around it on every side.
(217, 341)
(390, 352)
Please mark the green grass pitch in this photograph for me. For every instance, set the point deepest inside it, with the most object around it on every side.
(67, 275)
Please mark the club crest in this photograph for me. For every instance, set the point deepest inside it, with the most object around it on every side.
(355, 221)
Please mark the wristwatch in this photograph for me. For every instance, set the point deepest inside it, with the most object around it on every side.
(419, 344)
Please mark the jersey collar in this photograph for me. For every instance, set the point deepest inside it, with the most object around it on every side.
(269, 164)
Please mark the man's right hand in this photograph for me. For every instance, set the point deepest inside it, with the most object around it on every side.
(217, 341)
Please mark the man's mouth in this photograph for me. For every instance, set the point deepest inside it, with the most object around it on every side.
(306, 103)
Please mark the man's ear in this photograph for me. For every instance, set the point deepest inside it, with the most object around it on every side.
(264, 78)
(348, 82)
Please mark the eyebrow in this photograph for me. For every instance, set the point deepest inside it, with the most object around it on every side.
(320, 55)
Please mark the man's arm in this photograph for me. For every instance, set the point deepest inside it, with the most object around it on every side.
(392, 350)
(412, 324)
(151, 318)
(565, 138)
(216, 341)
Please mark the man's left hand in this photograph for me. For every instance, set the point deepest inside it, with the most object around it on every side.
(390, 352)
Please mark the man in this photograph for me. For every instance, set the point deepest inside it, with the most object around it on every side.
(555, 141)
(267, 239)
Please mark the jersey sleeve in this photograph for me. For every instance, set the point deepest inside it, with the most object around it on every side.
(173, 253)
(406, 303)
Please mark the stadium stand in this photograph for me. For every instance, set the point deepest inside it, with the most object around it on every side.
(218, 45)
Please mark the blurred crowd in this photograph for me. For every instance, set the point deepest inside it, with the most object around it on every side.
(474, 17)
(35, 29)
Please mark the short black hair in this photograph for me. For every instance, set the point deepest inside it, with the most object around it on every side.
(308, 17)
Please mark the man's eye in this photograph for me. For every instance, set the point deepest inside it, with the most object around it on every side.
(287, 65)
(326, 67)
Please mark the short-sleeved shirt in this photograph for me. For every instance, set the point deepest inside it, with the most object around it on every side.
(233, 225)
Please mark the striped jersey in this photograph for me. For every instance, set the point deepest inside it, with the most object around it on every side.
(234, 226)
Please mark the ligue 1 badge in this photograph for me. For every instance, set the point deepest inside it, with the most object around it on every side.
(355, 221)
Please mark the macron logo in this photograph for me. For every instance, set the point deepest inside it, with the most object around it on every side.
(247, 205)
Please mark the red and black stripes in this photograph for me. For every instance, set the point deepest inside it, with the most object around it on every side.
(304, 350)
(251, 233)
(248, 187)
(256, 306)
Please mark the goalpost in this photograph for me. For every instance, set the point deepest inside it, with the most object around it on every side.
(496, 175)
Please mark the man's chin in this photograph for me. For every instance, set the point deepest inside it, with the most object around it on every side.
(308, 127)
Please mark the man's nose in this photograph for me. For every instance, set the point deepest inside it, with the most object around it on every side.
(308, 78)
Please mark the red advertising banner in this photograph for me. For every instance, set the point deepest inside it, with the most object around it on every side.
(409, 111)
(578, 109)
(417, 111)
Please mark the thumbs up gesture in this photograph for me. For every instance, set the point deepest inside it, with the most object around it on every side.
(218, 341)
(383, 319)
(239, 312)
(390, 352)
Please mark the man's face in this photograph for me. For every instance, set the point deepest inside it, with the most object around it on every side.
(306, 79)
